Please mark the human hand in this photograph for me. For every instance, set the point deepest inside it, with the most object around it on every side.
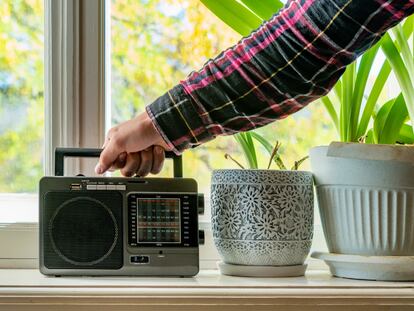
(134, 147)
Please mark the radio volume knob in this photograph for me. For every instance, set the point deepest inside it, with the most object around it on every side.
(201, 237)
(200, 203)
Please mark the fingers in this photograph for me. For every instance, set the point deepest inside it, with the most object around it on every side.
(158, 161)
(141, 163)
(146, 162)
(119, 162)
(133, 162)
(111, 152)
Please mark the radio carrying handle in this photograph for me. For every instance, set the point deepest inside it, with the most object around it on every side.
(61, 153)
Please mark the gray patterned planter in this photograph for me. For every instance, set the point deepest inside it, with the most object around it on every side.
(262, 217)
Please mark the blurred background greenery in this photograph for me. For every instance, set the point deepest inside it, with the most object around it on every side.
(154, 44)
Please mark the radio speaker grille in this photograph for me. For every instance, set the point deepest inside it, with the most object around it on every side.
(82, 232)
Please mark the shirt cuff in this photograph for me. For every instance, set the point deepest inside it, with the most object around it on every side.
(176, 119)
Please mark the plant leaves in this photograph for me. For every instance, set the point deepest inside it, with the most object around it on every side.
(364, 69)
(331, 110)
(265, 9)
(400, 70)
(389, 120)
(240, 138)
(234, 14)
(373, 96)
(348, 80)
(269, 148)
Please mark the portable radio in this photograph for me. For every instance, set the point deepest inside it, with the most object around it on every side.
(118, 225)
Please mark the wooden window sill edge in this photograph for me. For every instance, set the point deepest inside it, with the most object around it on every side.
(22, 289)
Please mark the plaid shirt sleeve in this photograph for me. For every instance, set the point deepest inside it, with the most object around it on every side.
(289, 61)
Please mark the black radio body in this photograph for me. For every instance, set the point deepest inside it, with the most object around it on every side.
(118, 226)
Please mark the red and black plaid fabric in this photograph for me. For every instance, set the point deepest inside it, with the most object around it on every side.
(288, 62)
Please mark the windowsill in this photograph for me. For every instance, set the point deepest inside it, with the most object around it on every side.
(25, 288)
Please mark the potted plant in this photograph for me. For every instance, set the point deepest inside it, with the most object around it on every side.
(365, 190)
(364, 185)
(262, 219)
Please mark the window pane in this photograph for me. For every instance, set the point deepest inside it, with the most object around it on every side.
(157, 43)
(21, 95)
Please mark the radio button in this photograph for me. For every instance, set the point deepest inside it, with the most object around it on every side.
(121, 187)
(110, 187)
(140, 259)
(90, 187)
(101, 187)
(200, 203)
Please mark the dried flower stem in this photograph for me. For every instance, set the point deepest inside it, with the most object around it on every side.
(227, 156)
(274, 152)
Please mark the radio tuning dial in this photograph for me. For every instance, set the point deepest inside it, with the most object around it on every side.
(200, 203)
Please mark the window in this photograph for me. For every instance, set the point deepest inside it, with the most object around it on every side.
(21, 107)
(96, 80)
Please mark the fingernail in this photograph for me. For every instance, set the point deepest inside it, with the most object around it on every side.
(98, 169)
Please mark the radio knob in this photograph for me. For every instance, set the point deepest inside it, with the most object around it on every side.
(200, 203)
(201, 237)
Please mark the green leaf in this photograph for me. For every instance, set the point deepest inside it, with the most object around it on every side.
(248, 150)
(364, 69)
(346, 102)
(263, 8)
(404, 49)
(380, 118)
(406, 135)
(400, 71)
(234, 14)
(331, 110)
(396, 117)
(265, 143)
(369, 138)
(373, 96)
(389, 120)
(269, 148)
(338, 88)
(252, 148)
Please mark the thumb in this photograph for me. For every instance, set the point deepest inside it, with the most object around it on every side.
(108, 156)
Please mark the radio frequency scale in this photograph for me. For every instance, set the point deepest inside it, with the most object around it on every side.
(118, 226)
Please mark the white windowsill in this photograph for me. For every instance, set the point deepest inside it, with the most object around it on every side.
(22, 289)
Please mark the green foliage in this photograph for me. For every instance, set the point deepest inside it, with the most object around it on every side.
(21, 95)
(401, 60)
(345, 104)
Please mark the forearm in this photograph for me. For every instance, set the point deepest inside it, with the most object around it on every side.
(291, 60)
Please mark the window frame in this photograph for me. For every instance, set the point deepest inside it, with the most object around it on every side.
(74, 33)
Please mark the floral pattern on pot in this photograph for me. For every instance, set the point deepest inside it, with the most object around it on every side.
(262, 211)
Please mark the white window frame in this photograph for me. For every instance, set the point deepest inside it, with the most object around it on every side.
(74, 62)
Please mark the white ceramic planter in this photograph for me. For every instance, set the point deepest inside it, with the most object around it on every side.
(262, 217)
(366, 206)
